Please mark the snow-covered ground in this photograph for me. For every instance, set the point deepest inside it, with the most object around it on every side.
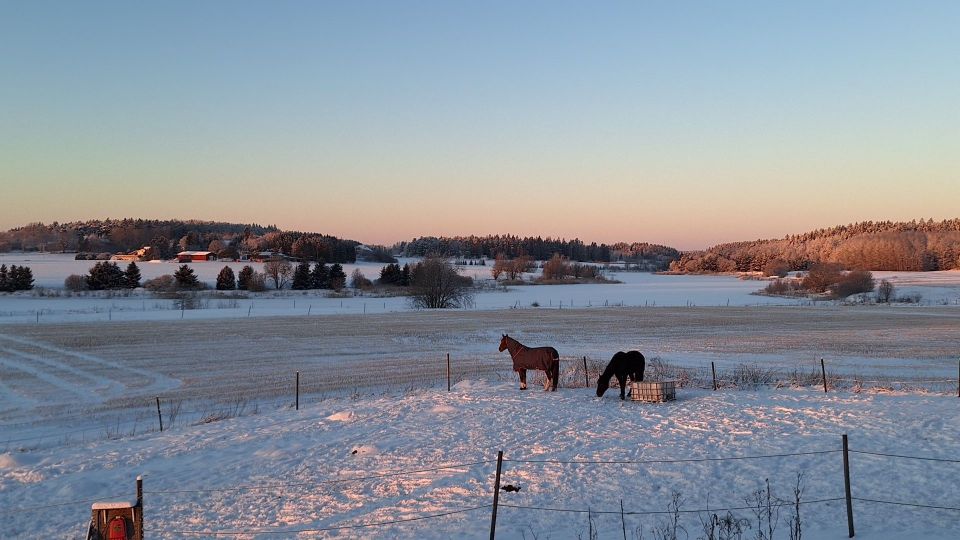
(285, 471)
(50, 303)
(78, 419)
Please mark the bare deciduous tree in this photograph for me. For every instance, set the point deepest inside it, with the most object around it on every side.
(278, 271)
(437, 284)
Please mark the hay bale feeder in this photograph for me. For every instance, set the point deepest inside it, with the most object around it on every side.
(653, 391)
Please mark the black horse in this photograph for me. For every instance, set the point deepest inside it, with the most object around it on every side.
(622, 364)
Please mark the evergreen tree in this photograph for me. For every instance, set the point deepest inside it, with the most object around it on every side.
(225, 279)
(186, 279)
(320, 277)
(405, 276)
(338, 278)
(4, 279)
(301, 277)
(243, 279)
(390, 274)
(105, 276)
(20, 278)
(131, 277)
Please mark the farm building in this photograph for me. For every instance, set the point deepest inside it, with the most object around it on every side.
(196, 256)
(142, 254)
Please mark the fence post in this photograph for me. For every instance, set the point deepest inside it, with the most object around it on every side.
(713, 368)
(496, 496)
(586, 379)
(138, 526)
(298, 392)
(448, 372)
(159, 416)
(823, 370)
(958, 378)
(846, 485)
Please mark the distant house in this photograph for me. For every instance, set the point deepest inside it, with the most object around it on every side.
(264, 256)
(196, 256)
(141, 254)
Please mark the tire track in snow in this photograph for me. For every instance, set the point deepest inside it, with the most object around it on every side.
(80, 394)
(158, 382)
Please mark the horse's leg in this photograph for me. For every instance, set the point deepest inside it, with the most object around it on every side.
(622, 379)
(556, 375)
(523, 378)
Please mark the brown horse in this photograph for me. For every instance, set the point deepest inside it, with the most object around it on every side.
(524, 358)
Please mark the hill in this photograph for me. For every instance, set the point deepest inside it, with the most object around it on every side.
(881, 245)
(169, 236)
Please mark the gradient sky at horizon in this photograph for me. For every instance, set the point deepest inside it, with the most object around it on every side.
(680, 123)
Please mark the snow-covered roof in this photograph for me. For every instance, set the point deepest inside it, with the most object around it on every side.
(185, 253)
(112, 505)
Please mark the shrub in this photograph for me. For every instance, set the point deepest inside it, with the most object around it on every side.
(75, 282)
(161, 284)
(855, 282)
(358, 280)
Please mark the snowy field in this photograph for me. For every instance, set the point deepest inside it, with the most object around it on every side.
(367, 453)
(50, 303)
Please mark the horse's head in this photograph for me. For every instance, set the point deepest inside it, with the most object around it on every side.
(602, 385)
(503, 342)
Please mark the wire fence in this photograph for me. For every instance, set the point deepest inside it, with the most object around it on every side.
(195, 405)
(163, 524)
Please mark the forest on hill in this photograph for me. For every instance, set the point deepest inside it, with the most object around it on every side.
(923, 245)
(650, 256)
(167, 237)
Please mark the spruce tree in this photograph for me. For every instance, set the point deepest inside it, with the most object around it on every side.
(338, 278)
(186, 279)
(405, 276)
(320, 277)
(104, 276)
(20, 278)
(243, 279)
(301, 277)
(225, 279)
(4, 279)
(131, 277)
(390, 274)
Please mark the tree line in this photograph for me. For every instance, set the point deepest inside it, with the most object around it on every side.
(897, 246)
(94, 239)
(16, 278)
(655, 256)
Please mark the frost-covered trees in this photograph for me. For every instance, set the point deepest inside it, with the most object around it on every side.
(243, 279)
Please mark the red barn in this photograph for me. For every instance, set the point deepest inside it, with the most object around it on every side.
(196, 256)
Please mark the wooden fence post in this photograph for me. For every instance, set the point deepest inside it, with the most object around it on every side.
(138, 525)
(448, 372)
(823, 370)
(496, 496)
(298, 392)
(714, 369)
(958, 379)
(159, 416)
(846, 485)
(586, 379)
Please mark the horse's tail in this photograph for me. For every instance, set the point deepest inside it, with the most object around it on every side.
(554, 354)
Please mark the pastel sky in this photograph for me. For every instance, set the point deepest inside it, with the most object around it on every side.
(682, 123)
